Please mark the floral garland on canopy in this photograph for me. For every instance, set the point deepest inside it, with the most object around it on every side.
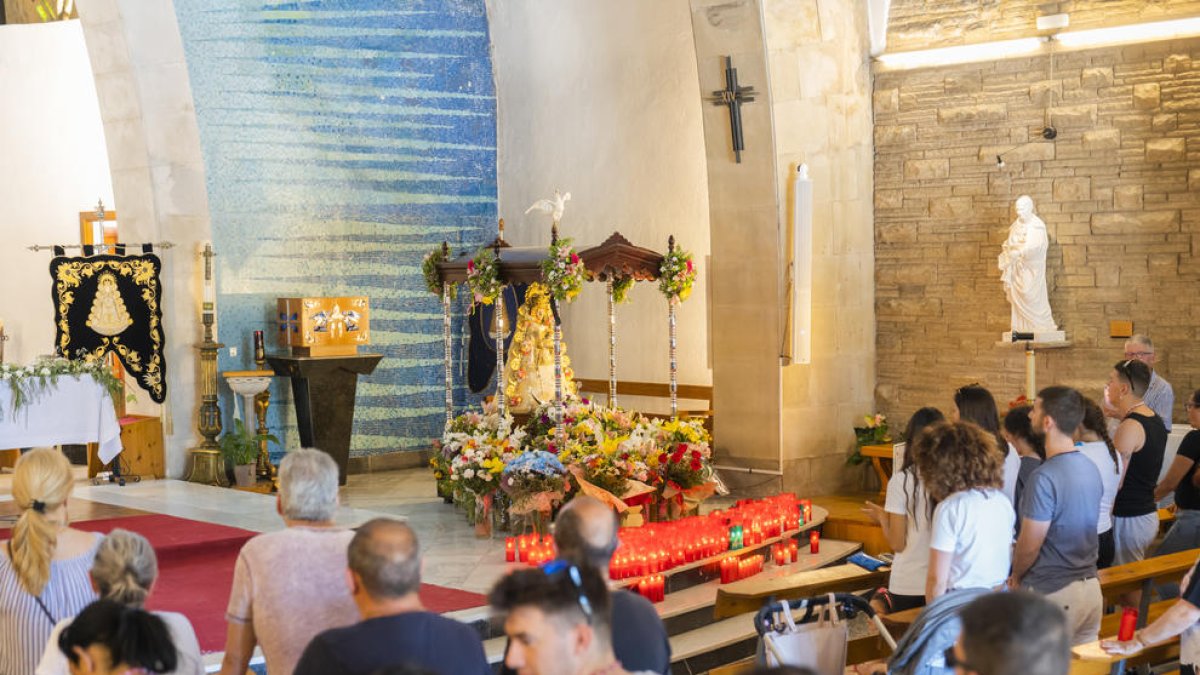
(563, 272)
(483, 277)
(677, 274)
(429, 268)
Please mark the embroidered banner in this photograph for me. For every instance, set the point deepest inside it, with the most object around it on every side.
(109, 303)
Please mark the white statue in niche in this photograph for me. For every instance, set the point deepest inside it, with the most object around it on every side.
(1023, 272)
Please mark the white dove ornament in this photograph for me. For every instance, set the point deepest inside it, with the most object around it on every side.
(554, 207)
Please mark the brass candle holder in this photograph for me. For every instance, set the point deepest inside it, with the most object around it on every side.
(208, 465)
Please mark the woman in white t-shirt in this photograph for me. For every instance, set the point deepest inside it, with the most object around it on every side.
(1095, 444)
(962, 469)
(974, 403)
(904, 518)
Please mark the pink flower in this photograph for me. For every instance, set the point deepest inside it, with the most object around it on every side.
(470, 266)
(574, 259)
(689, 264)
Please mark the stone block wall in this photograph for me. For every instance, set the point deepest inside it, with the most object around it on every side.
(1117, 190)
(923, 24)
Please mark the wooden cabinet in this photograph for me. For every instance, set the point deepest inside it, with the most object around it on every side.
(142, 440)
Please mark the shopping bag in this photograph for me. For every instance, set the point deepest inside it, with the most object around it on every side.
(819, 645)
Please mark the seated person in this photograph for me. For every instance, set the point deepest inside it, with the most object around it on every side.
(1017, 633)
(384, 576)
(1182, 616)
(124, 571)
(108, 638)
(558, 620)
(290, 585)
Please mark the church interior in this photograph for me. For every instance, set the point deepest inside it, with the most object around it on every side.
(703, 261)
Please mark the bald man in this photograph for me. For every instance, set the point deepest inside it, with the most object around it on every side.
(585, 531)
(384, 576)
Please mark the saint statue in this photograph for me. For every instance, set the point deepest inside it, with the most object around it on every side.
(1023, 272)
(529, 375)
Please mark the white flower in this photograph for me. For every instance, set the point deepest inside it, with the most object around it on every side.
(469, 474)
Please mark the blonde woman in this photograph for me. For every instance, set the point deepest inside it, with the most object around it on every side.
(124, 572)
(44, 567)
(962, 468)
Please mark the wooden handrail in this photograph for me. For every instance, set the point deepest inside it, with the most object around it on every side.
(655, 389)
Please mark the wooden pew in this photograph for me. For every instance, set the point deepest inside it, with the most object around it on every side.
(749, 595)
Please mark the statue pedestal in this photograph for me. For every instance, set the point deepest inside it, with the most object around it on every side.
(1045, 340)
(323, 389)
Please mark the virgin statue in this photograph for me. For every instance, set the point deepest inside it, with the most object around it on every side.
(529, 376)
(1023, 271)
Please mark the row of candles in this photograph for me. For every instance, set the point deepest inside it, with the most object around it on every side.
(529, 548)
(736, 569)
(653, 588)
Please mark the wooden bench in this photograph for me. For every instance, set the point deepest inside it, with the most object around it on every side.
(749, 595)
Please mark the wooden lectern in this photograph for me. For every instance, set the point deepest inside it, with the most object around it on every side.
(323, 389)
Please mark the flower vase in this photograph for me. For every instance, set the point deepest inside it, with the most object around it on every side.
(483, 516)
(501, 516)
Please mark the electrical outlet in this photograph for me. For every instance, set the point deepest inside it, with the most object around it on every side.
(233, 351)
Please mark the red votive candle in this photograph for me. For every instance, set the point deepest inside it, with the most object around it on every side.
(1129, 619)
(510, 550)
(814, 542)
(794, 549)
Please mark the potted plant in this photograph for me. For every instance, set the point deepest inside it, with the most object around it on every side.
(241, 448)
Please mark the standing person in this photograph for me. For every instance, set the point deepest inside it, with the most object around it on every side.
(124, 571)
(290, 585)
(905, 520)
(1018, 432)
(385, 575)
(1057, 550)
(1141, 440)
(1181, 479)
(1095, 444)
(558, 621)
(1160, 396)
(962, 469)
(44, 567)
(973, 403)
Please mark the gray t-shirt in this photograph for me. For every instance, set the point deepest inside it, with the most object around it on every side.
(1064, 491)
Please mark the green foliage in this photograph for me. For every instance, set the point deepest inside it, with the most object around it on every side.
(240, 447)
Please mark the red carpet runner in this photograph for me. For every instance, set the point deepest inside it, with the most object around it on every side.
(195, 571)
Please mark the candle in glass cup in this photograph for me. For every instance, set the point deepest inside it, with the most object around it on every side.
(814, 542)
(510, 550)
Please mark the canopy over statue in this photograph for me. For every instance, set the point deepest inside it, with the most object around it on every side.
(1022, 265)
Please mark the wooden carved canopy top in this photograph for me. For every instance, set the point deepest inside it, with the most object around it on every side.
(616, 258)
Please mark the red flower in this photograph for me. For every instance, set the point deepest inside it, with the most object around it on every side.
(574, 258)
(689, 264)
(470, 266)
(677, 457)
(695, 465)
(682, 447)
(662, 458)
(695, 454)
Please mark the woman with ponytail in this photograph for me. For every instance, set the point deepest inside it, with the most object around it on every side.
(108, 638)
(1095, 444)
(124, 572)
(44, 567)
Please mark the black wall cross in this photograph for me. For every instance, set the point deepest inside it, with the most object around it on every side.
(733, 96)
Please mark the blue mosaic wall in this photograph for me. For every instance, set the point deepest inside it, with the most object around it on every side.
(344, 139)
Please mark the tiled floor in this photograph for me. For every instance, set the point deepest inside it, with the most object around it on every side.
(452, 555)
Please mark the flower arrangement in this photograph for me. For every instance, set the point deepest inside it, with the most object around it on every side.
(433, 280)
(677, 275)
(684, 453)
(535, 481)
(483, 277)
(620, 289)
(563, 271)
(873, 431)
(27, 382)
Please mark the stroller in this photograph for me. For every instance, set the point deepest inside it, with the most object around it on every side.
(818, 639)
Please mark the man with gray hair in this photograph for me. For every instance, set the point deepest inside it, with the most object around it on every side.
(385, 576)
(289, 585)
(1159, 396)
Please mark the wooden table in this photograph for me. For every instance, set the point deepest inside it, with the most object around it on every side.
(880, 454)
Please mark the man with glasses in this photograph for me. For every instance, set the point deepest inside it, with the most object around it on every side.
(1159, 395)
(558, 621)
(1016, 633)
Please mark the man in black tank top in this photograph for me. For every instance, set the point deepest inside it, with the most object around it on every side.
(1141, 438)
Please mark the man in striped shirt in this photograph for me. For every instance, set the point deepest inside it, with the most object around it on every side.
(1159, 396)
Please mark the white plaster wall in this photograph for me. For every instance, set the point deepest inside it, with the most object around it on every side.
(157, 177)
(53, 164)
(601, 99)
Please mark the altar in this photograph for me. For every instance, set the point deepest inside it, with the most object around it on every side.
(72, 409)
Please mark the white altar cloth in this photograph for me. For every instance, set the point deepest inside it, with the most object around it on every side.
(75, 410)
